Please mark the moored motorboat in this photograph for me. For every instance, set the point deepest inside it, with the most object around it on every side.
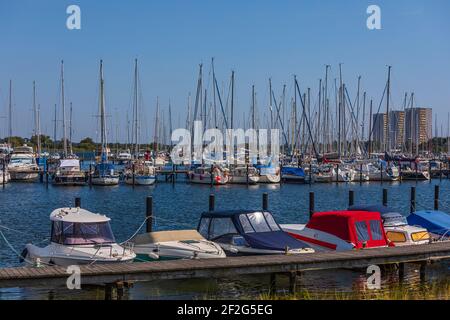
(174, 244)
(246, 232)
(341, 230)
(68, 173)
(436, 222)
(293, 174)
(396, 226)
(78, 237)
(22, 165)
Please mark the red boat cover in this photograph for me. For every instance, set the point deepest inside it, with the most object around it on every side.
(362, 228)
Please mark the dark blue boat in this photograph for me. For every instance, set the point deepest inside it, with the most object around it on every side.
(248, 233)
(293, 174)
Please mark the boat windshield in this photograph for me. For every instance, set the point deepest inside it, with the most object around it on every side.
(69, 233)
(258, 222)
(22, 160)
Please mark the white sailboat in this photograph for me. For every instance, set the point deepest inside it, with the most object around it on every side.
(104, 172)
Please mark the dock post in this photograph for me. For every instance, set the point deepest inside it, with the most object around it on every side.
(440, 171)
(174, 173)
(337, 173)
(149, 214)
(4, 173)
(108, 291)
(265, 201)
(292, 282)
(401, 272)
(212, 175)
(400, 171)
(351, 198)
(77, 202)
(413, 200)
(272, 284)
(381, 173)
(423, 266)
(247, 174)
(120, 290)
(436, 197)
(310, 173)
(385, 197)
(360, 173)
(133, 168)
(212, 202)
(90, 174)
(311, 204)
(429, 170)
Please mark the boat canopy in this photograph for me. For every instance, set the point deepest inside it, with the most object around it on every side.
(77, 215)
(437, 222)
(69, 163)
(361, 228)
(391, 218)
(259, 229)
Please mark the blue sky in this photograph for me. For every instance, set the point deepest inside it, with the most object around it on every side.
(256, 38)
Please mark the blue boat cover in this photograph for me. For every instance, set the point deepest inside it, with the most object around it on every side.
(437, 222)
(294, 171)
(104, 169)
(274, 240)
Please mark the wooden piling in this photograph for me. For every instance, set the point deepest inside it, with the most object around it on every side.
(360, 173)
(311, 204)
(310, 173)
(436, 197)
(212, 201)
(265, 201)
(413, 200)
(4, 173)
(272, 284)
(401, 272)
(149, 214)
(133, 168)
(351, 198)
(292, 282)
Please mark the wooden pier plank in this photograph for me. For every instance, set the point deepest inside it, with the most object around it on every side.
(228, 267)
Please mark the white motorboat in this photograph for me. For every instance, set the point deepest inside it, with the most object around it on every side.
(105, 175)
(269, 174)
(23, 166)
(176, 244)
(124, 156)
(143, 174)
(341, 230)
(376, 173)
(208, 175)
(78, 237)
(247, 232)
(243, 175)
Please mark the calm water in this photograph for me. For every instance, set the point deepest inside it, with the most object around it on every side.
(26, 208)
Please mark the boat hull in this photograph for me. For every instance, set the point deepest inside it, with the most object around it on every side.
(23, 175)
(243, 180)
(140, 180)
(105, 181)
(69, 180)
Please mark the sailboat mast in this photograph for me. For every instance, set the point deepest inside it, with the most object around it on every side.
(63, 111)
(10, 113)
(70, 129)
(135, 111)
(388, 129)
(102, 113)
(36, 121)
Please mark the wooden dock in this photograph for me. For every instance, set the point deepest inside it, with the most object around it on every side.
(107, 274)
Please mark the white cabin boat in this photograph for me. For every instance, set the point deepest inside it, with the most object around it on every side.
(78, 237)
(69, 173)
(144, 174)
(22, 165)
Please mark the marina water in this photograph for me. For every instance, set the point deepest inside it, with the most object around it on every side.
(25, 210)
